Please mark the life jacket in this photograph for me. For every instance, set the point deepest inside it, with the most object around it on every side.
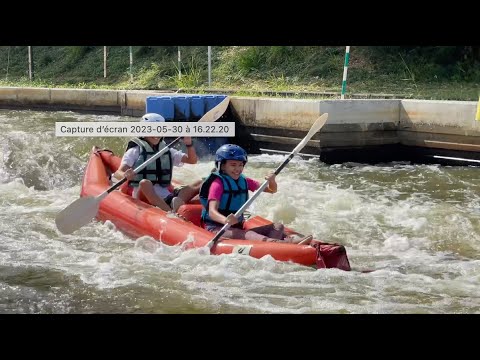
(159, 171)
(235, 194)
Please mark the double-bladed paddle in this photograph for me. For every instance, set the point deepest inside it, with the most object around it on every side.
(84, 209)
(315, 127)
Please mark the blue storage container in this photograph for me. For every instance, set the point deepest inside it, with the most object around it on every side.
(182, 108)
(220, 98)
(210, 102)
(197, 107)
(162, 105)
(213, 100)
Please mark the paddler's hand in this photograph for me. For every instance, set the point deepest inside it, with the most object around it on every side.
(231, 219)
(187, 140)
(272, 183)
(270, 176)
(129, 174)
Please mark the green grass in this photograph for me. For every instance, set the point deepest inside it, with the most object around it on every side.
(442, 73)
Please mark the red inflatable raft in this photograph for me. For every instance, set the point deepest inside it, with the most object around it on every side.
(137, 218)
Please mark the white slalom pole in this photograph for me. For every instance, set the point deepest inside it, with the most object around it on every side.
(131, 63)
(179, 64)
(477, 117)
(345, 68)
(8, 63)
(30, 63)
(104, 61)
(209, 66)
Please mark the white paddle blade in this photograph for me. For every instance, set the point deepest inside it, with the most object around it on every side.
(317, 125)
(215, 113)
(77, 214)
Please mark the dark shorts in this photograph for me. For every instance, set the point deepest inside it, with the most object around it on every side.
(170, 197)
(215, 227)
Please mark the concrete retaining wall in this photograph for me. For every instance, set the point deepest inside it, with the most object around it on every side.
(125, 102)
(439, 124)
(283, 122)
(360, 123)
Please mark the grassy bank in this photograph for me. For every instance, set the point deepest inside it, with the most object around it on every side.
(443, 73)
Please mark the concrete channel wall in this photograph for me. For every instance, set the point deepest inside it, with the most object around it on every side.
(353, 126)
(125, 102)
(439, 124)
(351, 123)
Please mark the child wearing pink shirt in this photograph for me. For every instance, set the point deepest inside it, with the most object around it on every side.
(226, 191)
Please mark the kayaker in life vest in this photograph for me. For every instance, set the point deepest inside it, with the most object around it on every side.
(154, 181)
(226, 190)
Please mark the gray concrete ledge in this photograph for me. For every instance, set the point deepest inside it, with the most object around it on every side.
(352, 123)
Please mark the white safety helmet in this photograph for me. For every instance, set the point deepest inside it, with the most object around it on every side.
(153, 117)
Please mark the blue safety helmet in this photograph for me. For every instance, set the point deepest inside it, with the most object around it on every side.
(230, 152)
(153, 117)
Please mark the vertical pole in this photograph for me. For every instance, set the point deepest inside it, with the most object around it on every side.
(478, 110)
(209, 66)
(179, 64)
(8, 62)
(345, 68)
(104, 61)
(131, 64)
(30, 63)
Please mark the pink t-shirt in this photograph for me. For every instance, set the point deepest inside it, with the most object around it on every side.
(216, 189)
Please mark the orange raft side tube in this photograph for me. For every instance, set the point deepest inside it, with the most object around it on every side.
(137, 218)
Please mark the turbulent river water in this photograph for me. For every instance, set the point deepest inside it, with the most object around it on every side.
(416, 225)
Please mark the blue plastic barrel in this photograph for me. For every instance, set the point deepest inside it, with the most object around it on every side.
(210, 102)
(220, 98)
(182, 108)
(197, 107)
(162, 105)
(213, 100)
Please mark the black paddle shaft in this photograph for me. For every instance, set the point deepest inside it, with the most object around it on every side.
(282, 165)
